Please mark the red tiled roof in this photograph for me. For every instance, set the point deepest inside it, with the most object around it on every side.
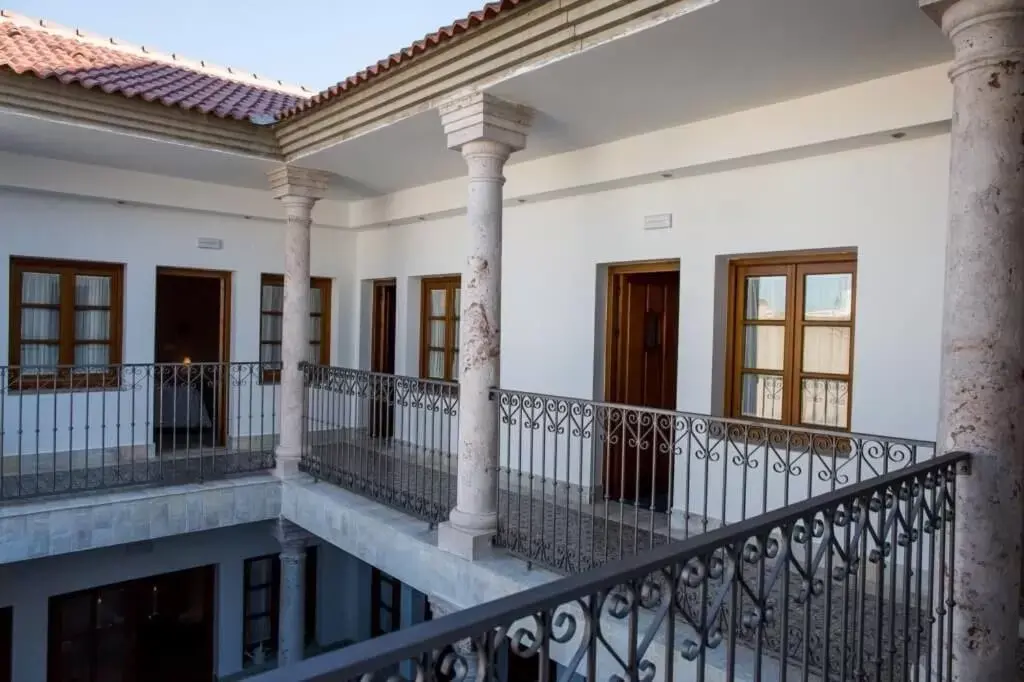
(34, 47)
(442, 35)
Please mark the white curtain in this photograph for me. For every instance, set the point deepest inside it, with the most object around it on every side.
(92, 325)
(40, 324)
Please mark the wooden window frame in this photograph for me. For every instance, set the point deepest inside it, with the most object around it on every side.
(379, 580)
(273, 376)
(274, 587)
(451, 318)
(794, 267)
(64, 378)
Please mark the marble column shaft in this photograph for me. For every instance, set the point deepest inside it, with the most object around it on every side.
(292, 607)
(982, 387)
(298, 190)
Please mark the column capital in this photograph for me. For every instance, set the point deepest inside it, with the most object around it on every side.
(292, 181)
(292, 538)
(965, 10)
(483, 117)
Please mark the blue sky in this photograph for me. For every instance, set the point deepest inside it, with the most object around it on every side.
(314, 43)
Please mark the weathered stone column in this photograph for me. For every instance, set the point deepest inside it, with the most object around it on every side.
(464, 648)
(298, 189)
(486, 130)
(982, 390)
(291, 619)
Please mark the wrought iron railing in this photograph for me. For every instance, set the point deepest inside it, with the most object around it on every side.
(79, 428)
(854, 584)
(390, 438)
(588, 481)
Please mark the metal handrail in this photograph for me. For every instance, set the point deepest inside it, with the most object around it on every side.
(381, 652)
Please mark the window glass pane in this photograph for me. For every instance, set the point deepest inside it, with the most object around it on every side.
(38, 358)
(765, 298)
(270, 328)
(270, 352)
(455, 334)
(315, 300)
(260, 572)
(272, 298)
(824, 402)
(92, 354)
(314, 354)
(457, 305)
(314, 329)
(437, 334)
(827, 350)
(258, 600)
(40, 324)
(259, 630)
(92, 325)
(828, 297)
(92, 290)
(761, 396)
(454, 375)
(435, 364)
(764, 346)
(40, 288)
(437, 302)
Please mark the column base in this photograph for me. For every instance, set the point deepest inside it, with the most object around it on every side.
(468, 544)
(287, 462)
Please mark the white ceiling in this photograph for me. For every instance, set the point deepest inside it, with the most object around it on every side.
(729, 56)
(726, 57)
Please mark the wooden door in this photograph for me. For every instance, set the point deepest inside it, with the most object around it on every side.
(382, 359)
(642, 358)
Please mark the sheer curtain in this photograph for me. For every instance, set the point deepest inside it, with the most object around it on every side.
(40, 324)
(92, 320)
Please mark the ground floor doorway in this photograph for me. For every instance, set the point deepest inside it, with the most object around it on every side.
(155, 629)
(192, 351)
(641, 351)
(6, 643)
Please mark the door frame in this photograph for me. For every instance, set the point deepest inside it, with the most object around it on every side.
(224, 333)
(617, 273)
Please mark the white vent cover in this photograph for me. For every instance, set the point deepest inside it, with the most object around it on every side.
(210, 243)
(661, 221)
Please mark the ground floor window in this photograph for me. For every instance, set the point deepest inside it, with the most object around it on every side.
(262, 602)
(386, 604)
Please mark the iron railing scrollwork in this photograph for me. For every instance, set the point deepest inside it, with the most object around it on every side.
(852, 584)
(390, 438)
(584, 482)
(78, 428)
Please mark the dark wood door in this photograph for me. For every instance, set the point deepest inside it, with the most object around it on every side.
(157, 629)
(644, 344)
(6, 631)
(382, 360)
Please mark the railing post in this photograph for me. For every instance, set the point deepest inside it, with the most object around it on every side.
(486, 130)
(298, 189)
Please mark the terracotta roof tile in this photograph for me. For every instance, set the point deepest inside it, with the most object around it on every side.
(438, 37)
(34, 47)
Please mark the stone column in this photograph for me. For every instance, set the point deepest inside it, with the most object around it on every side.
(464, 648)
(298, 189)
(291, 617)
(486, 130)
(982, 389)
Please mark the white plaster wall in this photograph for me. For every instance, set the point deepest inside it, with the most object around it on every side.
(887, 201)
(143, 238)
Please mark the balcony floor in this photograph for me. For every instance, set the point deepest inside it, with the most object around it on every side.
(45, 475)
